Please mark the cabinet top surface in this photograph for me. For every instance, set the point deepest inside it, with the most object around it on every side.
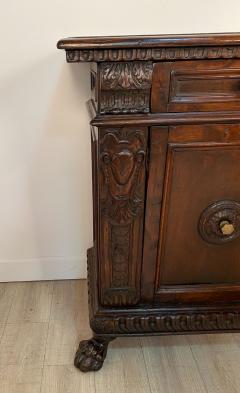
(149, 41)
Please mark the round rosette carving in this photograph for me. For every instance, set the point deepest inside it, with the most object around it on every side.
(220, 222)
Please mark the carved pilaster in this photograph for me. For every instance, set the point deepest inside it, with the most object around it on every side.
(122, 186)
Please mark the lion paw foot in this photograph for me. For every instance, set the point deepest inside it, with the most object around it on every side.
(91, 354)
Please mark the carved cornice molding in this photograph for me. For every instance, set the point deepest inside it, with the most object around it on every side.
(158, 54)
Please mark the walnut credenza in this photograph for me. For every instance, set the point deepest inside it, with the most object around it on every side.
(166, 186)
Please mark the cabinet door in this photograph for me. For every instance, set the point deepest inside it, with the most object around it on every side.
(198, 250)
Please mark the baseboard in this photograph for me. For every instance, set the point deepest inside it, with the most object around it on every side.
(47, 268)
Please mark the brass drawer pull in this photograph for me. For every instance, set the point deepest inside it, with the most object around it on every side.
(220, 222)
(226, 228)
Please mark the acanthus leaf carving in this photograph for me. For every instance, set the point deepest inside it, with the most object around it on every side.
(126, 75)
(125, 87)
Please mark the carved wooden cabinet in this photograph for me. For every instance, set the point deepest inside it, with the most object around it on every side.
(166, 186)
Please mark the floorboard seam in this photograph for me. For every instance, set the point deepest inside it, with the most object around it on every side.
(9, 310)
(45, 349)
(198, 368)
(144, 359)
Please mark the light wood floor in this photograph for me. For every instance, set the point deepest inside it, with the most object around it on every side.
(41, 324)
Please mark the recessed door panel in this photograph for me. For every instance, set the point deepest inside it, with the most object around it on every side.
(199, 243)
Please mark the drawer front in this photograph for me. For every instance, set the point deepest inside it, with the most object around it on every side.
(199, 238)
(183, 86)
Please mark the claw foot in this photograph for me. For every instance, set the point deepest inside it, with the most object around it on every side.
(91, 354)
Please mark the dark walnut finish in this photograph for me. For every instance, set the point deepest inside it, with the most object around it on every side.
(166, 194)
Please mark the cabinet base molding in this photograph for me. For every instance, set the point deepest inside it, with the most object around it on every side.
(167, 323)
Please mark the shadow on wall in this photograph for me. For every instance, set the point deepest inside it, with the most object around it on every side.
(45, 168)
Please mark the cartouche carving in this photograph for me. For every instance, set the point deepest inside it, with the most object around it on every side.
(123, 154)
(212, 220)
(122, 162)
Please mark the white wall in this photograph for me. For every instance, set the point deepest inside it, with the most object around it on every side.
(45, 174)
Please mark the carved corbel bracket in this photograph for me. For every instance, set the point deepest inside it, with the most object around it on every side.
(124, 87)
